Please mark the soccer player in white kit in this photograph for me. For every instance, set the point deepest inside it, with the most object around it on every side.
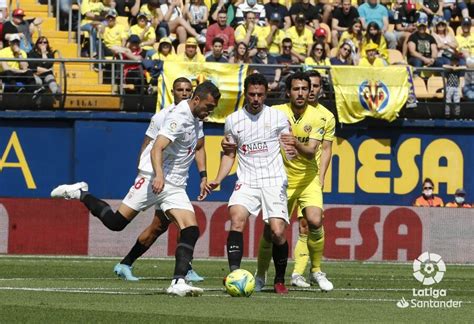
(262, 180)
(163, 172)
(182, 90)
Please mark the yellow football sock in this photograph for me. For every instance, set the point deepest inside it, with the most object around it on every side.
(316, 247)
(301, 254)
(264, 256)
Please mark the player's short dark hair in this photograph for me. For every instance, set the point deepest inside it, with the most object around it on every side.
(181, 80)
(207, 88)
(255, 79)
(297, 76)
(217, 40)
(287, 40)
(314, 74)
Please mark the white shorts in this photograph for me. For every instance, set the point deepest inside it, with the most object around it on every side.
(141, 197)
(271, 200)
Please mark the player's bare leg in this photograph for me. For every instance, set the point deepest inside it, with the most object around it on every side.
(189, 234)
(314, 216)
(146, 239)
(235, 240)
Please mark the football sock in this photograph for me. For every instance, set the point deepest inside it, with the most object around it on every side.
(301, 254)
(264, 256)
(280, 260)
(184, 250)
(137, 251)
(100, 209)
(235, 247)
(316, 247)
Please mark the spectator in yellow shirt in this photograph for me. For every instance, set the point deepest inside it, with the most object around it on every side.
(249, 33)
(191, 53)
(114, 35)
(317, 57)
(92, 11)
(374, 35)
(165, 50)
(144, 30)
(13, 73)
(275, 35)
(370, 59)
(466, 39)
(301, 36)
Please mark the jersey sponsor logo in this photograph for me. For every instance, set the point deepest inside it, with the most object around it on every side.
(307, 128)
(254, 148)
(172, 125)
(304, 139)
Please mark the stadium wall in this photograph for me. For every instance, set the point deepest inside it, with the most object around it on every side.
(381, 165)
(364, 232)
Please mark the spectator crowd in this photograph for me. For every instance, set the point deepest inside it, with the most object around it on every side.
(429, 33)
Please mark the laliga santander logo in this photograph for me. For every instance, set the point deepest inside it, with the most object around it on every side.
(429, 268)
(373, 95)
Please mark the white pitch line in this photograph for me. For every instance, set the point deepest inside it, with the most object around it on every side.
(211, 259)
(81, 291)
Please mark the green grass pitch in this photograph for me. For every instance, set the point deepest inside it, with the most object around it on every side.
(68, 289)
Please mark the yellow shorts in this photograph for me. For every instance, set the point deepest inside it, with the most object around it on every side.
(309, 195)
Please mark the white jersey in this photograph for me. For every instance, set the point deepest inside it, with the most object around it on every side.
(184, 130)
(258, 146)
(156, 122)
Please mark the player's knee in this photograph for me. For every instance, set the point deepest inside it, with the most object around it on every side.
(316, 222)
(117, 223)
(237, 223)
(160, 223)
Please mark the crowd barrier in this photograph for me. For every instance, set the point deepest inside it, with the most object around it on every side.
(364, 233)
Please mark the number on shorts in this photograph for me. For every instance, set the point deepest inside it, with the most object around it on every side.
(139, 183)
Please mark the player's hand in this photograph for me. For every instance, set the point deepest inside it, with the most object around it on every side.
(288, 139)
(204, 190)
(213, 185)
(158, 184)
(228, 144)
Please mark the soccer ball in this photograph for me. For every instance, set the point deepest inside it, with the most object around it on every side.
(240, 283)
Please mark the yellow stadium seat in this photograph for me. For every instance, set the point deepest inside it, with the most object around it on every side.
(436, 87)
(420, 88)
(395, 57)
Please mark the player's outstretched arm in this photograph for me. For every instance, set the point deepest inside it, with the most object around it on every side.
(157, 162)
(224, 168)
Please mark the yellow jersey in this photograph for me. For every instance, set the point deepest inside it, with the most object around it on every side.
(8, 53)
(377, 63)
(300, 170)
(170, 57)
(466, 43)
(329, 129)
(146, 11)
(115, 35)
(198, 58)
(275, 46)
(301, 43)
(382, 48)
(144, 36)
(241, 31)
(90, 6)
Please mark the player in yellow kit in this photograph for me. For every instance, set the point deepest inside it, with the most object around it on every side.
(311, 125)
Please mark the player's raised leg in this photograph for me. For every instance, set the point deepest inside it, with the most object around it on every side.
(115, 221)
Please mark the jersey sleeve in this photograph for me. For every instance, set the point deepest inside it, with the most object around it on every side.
(201, 130)
(228, 128)
(154, 126)
(172, 127)
(330, 129)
